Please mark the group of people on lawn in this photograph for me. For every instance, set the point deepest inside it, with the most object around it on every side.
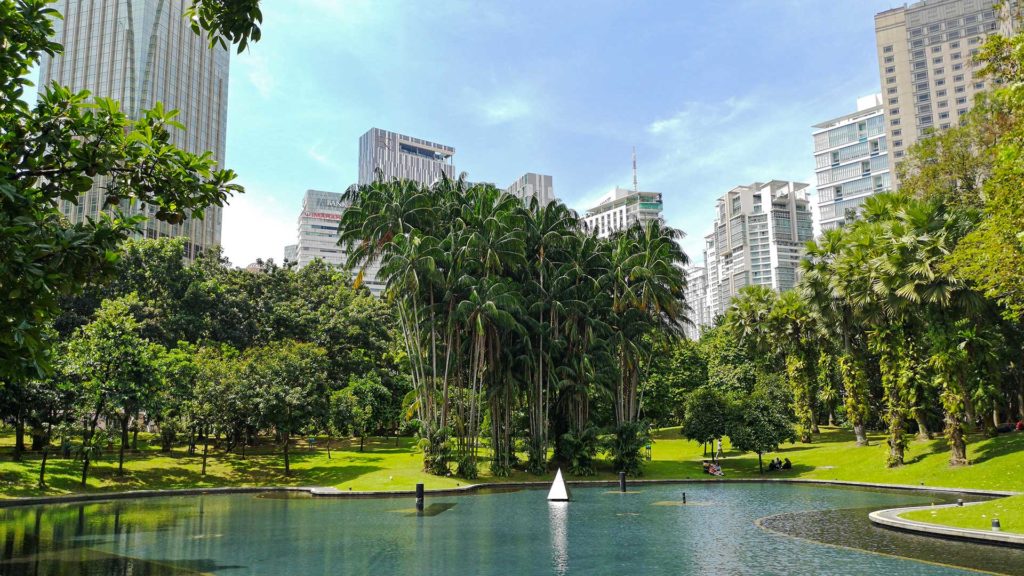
(715, 469)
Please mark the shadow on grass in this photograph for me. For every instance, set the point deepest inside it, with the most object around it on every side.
(1001, 445)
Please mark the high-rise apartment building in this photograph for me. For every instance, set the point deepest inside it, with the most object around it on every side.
(141, 52)
(697, 298)
(758, 239)
(532, 185)
(318, 235)
(925, 64)
(621, 207)
(851, 160)
(404, 157)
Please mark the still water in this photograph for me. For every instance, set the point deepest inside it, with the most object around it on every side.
(722, 528)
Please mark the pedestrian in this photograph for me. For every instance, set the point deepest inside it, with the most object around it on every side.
(718, 455)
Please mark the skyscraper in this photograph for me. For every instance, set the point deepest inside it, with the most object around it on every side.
(318, 236)
(924, 64)
(403, 157)
(696, 297)
(851, 159)
(141, 52)
(621, 207)
(532, 185)
(758, 239)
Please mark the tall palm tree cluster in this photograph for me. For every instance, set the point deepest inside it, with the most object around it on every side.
(880, 321)
(522, 328)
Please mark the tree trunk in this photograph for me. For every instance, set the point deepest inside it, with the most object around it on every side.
(42, 467)
(124, 440)
(922, 426)
(85, 467)
(858, 431)
(19, 439)
(1020, 402)
(957, 443)
(760, 463)
(287, 466)
(135, 438)
(831, 417)
(361, 437)
(972, 418)
(206, 445)
(328, 446)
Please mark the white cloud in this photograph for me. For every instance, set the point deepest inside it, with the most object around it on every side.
(324, 157)
(504, 109)
(256, 225)
(258, 72)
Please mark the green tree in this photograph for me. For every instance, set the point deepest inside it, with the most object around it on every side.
(759, 424)
(706, 417)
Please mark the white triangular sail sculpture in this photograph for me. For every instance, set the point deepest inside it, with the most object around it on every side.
(559, 491)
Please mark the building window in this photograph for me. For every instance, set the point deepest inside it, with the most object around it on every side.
(937, 60)
(894, 111)
(917, 44)
(960, 89)
(936, 49)
(954, 45)
(894, 101)
(890, 80)
(898, 154)
(917, 54)
(974, 40)
(961, 112)
(920, 76)
(887, 49)
(891, 90)
(943, 115)
(944, 126)
(979, 85)
(924, 109)
(924, 97)
(940, 93)
(938, 71)
(961, 100)
(954, 56)
(921, 87)
(895, 122)
(958, 67)
(943, 104)
(890, 70)
(896, 132)
(958, 78)
(914, 33)
(889, 59)
(940, 82)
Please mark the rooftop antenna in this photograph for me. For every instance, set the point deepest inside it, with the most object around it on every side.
(636, 188)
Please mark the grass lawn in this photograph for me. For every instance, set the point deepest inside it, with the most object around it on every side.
(998, 463)
(1010, 512)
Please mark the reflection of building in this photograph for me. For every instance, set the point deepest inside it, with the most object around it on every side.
(924, 64)
(851, 161)
(318, 235)
(621, 207)
(696, 296)
(140, 53)
(403, 157)
(532, 185)
(758, 238)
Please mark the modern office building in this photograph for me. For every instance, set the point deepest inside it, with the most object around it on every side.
(318, 235)
(404, 157)
(925, 67)
(141, 52)
(758, 239)
(620, 208)
(291, 253)
(697, 298)
(531, 185)
(851, 159)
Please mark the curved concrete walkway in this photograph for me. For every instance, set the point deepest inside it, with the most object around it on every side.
(890, 518)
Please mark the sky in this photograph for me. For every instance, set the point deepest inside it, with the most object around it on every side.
(712, 94)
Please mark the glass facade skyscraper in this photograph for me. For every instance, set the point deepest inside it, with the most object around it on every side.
(141, 52)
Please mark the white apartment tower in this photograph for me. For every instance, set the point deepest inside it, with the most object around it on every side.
(758, 239)
(531, 185)
(697, 298)
(318, 236)
(140, 52)
(851, 159)
(925, 67)
(621, 208)
(404, 157)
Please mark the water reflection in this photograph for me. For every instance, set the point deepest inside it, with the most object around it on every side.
(558, 519)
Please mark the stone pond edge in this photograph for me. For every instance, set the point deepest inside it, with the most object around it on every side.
(890, 518)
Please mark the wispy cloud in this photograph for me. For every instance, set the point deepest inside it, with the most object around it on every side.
(502, 109)
(258, 71)
(325, 157)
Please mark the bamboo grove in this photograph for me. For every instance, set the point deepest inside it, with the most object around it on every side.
(514, 313)
(909, 318)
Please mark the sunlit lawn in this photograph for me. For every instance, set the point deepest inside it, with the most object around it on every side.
(998, 464)
(1009, 511)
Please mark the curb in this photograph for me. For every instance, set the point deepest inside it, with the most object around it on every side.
(332, 492)
(890, 518)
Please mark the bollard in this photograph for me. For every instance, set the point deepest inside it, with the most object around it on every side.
(622, 481)
(995, 525)
(419, 497)
(959, 501)
(684, 497)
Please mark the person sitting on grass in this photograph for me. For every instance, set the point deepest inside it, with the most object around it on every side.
(1020, 425)
(715, 470)
(787, 465)
(774, 465)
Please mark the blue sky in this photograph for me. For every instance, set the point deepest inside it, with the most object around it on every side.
(712, 94)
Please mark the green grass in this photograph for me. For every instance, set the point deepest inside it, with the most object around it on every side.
(998, 463)
(1009, 511)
